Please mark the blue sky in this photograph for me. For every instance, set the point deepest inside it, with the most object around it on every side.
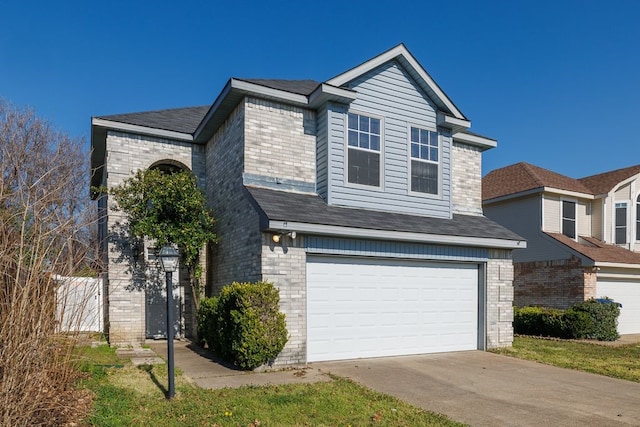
(557, 83)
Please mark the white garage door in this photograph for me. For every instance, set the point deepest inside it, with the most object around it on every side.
(373, 307)
(627, 294)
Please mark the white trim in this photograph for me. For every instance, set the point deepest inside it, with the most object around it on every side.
(449, 122)
(346, 146)
(549, 190)
(478, 140)
(126, 127)
(335, 230)
(615, 265)
(325, 92)
(398, 51)
(410, 158)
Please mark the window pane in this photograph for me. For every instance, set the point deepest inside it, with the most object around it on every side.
(415, 135)
(569, 210)
(638, 219)
(353, 121)
(374, 142)
(424, 152)
(364, 167)
(364, 140)
(424, 136)
(364, 124)
(434, 139)
(415, 151)
(424, 177)
(569, 228)
(353, 138)
(433, 154)
(621, 216)
(375, 126)
(621, 235)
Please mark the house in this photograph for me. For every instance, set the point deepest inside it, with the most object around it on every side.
(359, 197)
(583, 236)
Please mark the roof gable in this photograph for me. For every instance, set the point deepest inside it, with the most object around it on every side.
(605, 182)
(522, 177)
(402, 55)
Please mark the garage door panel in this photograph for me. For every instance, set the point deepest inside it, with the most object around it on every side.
(372, 307)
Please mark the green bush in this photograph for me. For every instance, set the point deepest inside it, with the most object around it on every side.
(206, 320)
(604, 316)
(243, 324)
(591, 319)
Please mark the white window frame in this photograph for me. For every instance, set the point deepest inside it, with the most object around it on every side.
(575, 220)
(410, 158)
(616, 205)
(380, 187)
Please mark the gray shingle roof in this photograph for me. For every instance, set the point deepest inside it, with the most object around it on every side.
(185, 120)
(301, 87)
(312, 209)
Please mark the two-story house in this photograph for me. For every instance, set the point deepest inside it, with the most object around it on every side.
(359, 197)
(583, 236)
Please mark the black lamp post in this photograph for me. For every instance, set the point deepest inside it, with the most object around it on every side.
(169, 262)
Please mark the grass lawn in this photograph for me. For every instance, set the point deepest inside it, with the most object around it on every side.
(617, 362)
(134, 396)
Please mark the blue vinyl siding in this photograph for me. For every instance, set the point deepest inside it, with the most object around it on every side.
(322, 160)
(388, 249)
(390, 93)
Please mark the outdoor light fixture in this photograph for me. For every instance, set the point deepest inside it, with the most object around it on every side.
(168, 259)
(277, 237)
(169, 262)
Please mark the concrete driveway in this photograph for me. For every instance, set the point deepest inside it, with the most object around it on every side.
(485, 389)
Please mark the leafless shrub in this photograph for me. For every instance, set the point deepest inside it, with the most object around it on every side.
(43, 230)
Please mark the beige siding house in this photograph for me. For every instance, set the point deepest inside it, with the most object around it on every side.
(583, 235)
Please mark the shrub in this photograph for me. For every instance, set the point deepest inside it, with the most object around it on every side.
(591, 319)
(206, 320)
(244, 325)
(604, 317)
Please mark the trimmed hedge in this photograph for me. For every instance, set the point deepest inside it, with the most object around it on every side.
(591, 319)
(243, 324)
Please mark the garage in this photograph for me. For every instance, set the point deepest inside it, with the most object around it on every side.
(372, 307)
(626, 293)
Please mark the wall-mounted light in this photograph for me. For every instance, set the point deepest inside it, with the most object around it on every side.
(277, 237)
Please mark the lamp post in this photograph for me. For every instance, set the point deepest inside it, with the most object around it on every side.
(169, 262)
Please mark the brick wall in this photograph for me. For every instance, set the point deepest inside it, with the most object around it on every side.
(499, 297)
(284, 264)
(126, 280)
(467, 179)
(557, 284)
(280, 141)
(236, 256)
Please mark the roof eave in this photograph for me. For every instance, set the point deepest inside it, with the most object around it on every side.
(481, 142)
(334, 230)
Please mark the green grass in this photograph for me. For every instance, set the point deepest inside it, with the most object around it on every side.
(618, 362)
(131, 396)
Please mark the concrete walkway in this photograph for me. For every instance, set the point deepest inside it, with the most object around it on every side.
(474, 387)
(211, 373)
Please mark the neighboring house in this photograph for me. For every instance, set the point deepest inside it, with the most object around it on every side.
(359, 197)
(583, 236)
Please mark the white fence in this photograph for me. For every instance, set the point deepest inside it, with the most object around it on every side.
(80, 307)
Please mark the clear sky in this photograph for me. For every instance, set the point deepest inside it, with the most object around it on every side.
(556, 82)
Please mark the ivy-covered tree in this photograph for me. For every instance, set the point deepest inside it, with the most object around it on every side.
(169, 208)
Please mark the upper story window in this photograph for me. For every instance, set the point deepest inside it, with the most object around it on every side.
(569, 218)
(363, 150)
(638, 218)
(621, 223)
(425, 155)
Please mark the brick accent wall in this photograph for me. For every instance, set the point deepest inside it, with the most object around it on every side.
(125, 280)
(284, 264)
(467, 179)
(499, 297)
(557, 284)
(280, 141)
(236, 257)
